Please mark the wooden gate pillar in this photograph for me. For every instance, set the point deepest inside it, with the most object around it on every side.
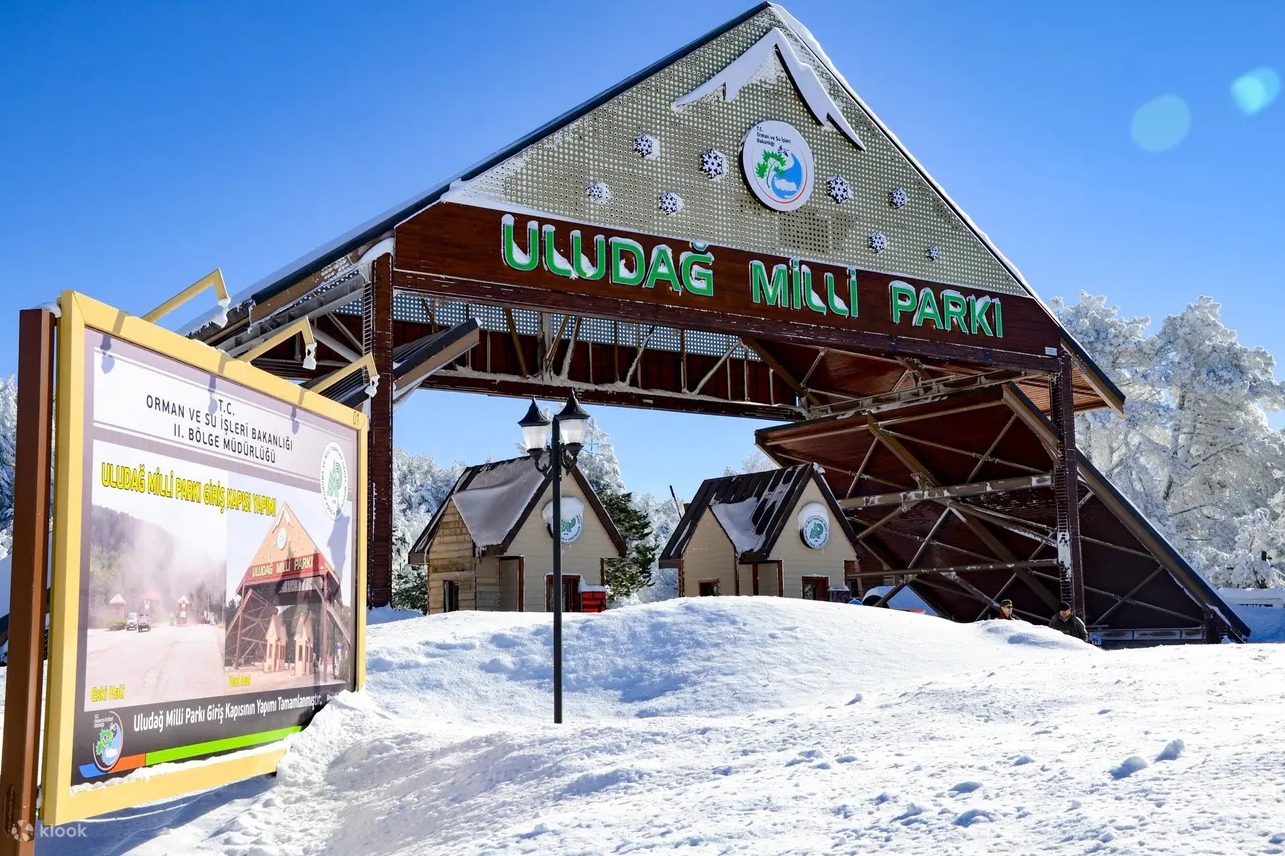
(377, 339)
(1066, 488)
(29, 596)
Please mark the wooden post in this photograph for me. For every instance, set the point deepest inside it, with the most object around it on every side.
(377, 339)
(28, 593)
(1066, 485)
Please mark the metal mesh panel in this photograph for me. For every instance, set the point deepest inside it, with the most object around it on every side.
(553, 174)
(446, 312)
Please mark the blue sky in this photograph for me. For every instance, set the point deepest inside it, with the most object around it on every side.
(142, 145)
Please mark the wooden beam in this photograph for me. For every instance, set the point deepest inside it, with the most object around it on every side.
(903, 454)
(977, 455)
(553, 345)
(1066, 483)
(517, 342)
(980, 568)
(856, 477)
(775, 365)
(713, 370)
(1113, 596)
(998, 547)
(377, 333)
(571, 348)
(1127, 598)
(949, 492)
(821, 352)
(924, 393)
(344, 331)
(983, 598)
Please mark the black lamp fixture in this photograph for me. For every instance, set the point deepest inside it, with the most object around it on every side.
(564, 443)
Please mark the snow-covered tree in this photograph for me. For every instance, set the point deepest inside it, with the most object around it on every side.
(420, 485)
(598, 462)
(1194, 451)
(8, 451)
(753, 462)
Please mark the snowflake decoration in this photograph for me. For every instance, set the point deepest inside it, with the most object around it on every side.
(714, 163)
(934, 253)
(670, 202)
(878, 241)
(898, 197)
(599, 191)
(647, 146)
(838, 188)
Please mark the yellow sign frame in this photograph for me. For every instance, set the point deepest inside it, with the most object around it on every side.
(60, 804)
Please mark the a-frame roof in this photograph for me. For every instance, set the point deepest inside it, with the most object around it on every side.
(494, 500)
(286, 540)
(753, 509)
(541, 169)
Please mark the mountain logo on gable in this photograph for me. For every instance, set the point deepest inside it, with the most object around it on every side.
(741, 70)
(778, 165)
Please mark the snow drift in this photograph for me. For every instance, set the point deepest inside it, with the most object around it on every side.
(760, 725)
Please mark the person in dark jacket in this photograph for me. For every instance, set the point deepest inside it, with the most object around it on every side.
(1006, 611)
(1069, 623)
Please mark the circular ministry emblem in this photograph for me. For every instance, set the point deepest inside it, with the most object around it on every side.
(814, 525)
(109, 740)
(778, 165)
(334, 480)
(281, 538)
(572, 518)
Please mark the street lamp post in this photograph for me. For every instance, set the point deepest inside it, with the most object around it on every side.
(564, 443)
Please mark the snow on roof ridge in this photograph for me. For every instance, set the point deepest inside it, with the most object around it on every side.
(733, 77)
(805, 35)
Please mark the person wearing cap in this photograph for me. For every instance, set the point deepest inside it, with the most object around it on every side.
(1006, 611)
(1069, 623)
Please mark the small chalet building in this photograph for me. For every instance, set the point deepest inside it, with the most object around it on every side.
(777, 533)
(489, 546)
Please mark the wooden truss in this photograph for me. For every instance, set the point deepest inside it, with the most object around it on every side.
(957, 498)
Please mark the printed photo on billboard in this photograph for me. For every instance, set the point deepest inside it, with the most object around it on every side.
(218, 564)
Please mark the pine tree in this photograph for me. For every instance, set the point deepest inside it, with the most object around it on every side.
(420, 485)
(626, 577)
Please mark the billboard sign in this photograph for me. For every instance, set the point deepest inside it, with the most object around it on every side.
(209, 563)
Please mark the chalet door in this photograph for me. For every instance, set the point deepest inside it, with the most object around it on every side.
(570, 593)
(709, 588)
(450, 596)
(510, 585)
(850, 568)
(768, 579)
(816, 588)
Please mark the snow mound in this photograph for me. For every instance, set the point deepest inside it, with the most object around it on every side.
(700, 657)
(758, 725)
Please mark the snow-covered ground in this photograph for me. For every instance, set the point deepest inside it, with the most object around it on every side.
(760, 725)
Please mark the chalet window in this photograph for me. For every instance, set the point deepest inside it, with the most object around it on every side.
(709, 588)
(816, 588)
(450, 596)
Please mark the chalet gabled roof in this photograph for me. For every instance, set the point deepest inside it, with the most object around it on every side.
(753, 509)
(495, 499)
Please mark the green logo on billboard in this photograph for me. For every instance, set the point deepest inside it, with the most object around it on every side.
(334, 480)
(110, 743)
